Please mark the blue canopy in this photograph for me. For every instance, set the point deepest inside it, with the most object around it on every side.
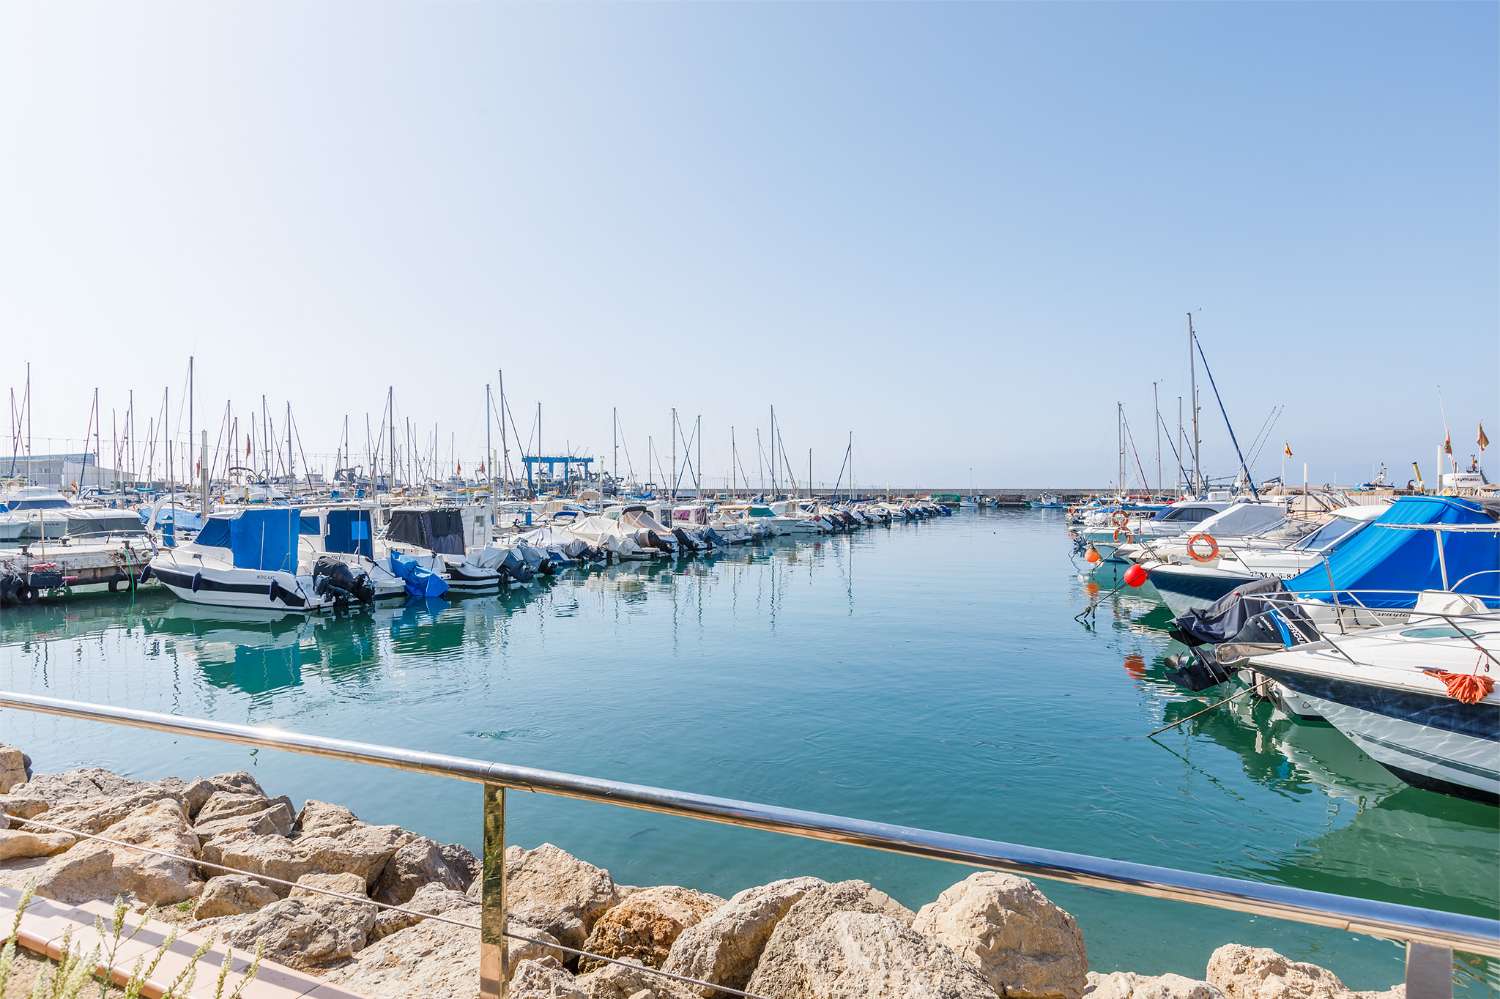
(265, 539)
(1390, 557)
(350, 530)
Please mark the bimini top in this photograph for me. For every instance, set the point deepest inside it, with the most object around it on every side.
(1400, 551)
(438, 529)
(263, 538)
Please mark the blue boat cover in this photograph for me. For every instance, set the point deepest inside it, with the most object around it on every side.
(420, 582)
(215, 533)
(350, 531)
(1395, 558)
(265, 539)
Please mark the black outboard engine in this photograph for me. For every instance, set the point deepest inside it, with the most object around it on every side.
(687, 543)
(330, 576)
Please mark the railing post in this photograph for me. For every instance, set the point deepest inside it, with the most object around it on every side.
(494, 965)
(1429, 971)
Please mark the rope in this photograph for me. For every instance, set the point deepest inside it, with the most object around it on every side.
(364, 900)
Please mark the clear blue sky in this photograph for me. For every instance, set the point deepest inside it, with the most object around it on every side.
(960, 231)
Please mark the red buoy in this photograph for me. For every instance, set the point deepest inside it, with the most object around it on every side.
(1135, 575)
(1092, 555)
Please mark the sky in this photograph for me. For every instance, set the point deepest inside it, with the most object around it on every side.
(960, 232)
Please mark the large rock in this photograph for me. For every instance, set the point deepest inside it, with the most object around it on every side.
(432, 900)
(308, 933)
(552, 890)
(645, 925)
(1024, 945)
(440, 957)
(275, 819)
(543, 978)
(237, 782)
(191, 793)
(630, 981)
(78, 785)
(15, 768)
(816, 905)
(315, 885)
(78, 875)
(1128, 985)
(97, 813)
(24, 806)
(151, 878)
(726, 945)
(461, 862)
(1261, 973)
(353, 848)
(320, 818)
(862, 955)
(18, 844)
(228, 804)
(232, 895)
(420, 862)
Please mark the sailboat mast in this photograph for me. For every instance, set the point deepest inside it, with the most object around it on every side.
(614, 442)
(734, 457)
(489, 447)
(390, 412)
(190, 418)
(698, 472)
(1193, 389)
(674, 452)
(1156, 404)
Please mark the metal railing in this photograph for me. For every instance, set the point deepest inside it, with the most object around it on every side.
(1431, 936)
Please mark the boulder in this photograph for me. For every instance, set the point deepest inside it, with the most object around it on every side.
(77, 785)
(191, 793)
(15, 768)
(274, 820)
(434, 900)
(341, 884)
(1128, 985)
(1025, 946)
(18, 844)
(627, 981)
(864, 955)
(461, 862)
(645, 925)
(441, 957)
(232, 895)
(355, 848)
(420, 862)
(78, 875)
(23, 806)
(238, 782)
(724, 947)
(552, 890)
(319, 818)
(543, 978)
(307, 933)
(228, 804)
(99, 812)
(1261, 973)
(816, 905)
(153, 879)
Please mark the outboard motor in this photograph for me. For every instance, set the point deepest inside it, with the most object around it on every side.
(686, 542)
(332, 577)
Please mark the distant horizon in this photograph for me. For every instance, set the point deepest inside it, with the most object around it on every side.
(960, 232)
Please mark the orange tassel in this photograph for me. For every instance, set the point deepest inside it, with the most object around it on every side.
(1469, 688)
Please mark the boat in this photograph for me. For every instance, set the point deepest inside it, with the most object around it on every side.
(346, 534)
(248, 558)
(32, 513)
(439, 538)
(1388, 690)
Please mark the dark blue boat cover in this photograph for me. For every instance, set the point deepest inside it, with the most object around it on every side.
(1400, 558)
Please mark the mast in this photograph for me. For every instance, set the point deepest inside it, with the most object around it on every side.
(1156, 404)
(698, 472)
(489, 447)
(504, 440)
(1182, 472)
(190, 416)
(265, 436)
(772, 459)
(130, 436)
(674, 452)
(291, 475)
(390, 409)
(734, 457)
(760, 457)
(1193, 383)
(166, 432)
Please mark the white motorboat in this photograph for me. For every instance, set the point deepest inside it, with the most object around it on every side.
(346, 534)
(440, 539)
(33, 513)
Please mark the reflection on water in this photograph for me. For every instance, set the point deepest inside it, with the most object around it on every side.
(926, 674)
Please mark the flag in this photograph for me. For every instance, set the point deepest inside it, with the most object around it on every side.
(1286, 448)
(1448, 444)
(1482, 440)
(460, 468)
(247, 447)
(481, 468)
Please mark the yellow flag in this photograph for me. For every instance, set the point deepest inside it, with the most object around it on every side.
(1482, 440)
(1286, 449)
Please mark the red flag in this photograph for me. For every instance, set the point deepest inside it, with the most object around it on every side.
(1482, 440)
(460, 468)
(1448, 444)
(481, 468)
(247, 447)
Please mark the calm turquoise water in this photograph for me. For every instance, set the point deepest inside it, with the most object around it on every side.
(926, 674)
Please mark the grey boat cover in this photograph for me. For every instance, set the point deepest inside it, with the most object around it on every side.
(1259, 612)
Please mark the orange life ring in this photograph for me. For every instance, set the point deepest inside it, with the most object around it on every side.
(1120, 518)
(1129, 536)
(1213, 547)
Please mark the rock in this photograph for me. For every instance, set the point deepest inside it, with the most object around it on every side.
(444, 958)
(23, 806)
(17, 844)
(726, 945)
(432, 900)
(275, 820)
(863, 955)
(355, 848)
(228, 804)
(192, 793)
(77, 785)
(97, 813)
(79, 875)
(1025, 946)
(419, 862)
(153, 879)
(232, 895)
(626, 981)
(238, 782)
(15, 768)
(1128, 985)
(461, 862)
(543, 978)
(342, 884)
(646, 924)
(319, 818)
(1260, 973)
(550, 889)
(816, 905)
(307, 933)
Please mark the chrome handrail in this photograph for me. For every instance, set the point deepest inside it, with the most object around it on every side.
(1424, 930)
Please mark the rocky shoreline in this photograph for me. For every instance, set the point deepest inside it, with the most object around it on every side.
(990, 936)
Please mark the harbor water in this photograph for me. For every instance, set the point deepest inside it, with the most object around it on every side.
(929, 674)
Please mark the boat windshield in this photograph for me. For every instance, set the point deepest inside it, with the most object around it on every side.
(1329, 534)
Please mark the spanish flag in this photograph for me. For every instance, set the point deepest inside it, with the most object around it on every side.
(1482, 440)
(1286, 448)
(1448, 444)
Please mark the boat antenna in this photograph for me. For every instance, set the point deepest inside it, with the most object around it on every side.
(1249, 479)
